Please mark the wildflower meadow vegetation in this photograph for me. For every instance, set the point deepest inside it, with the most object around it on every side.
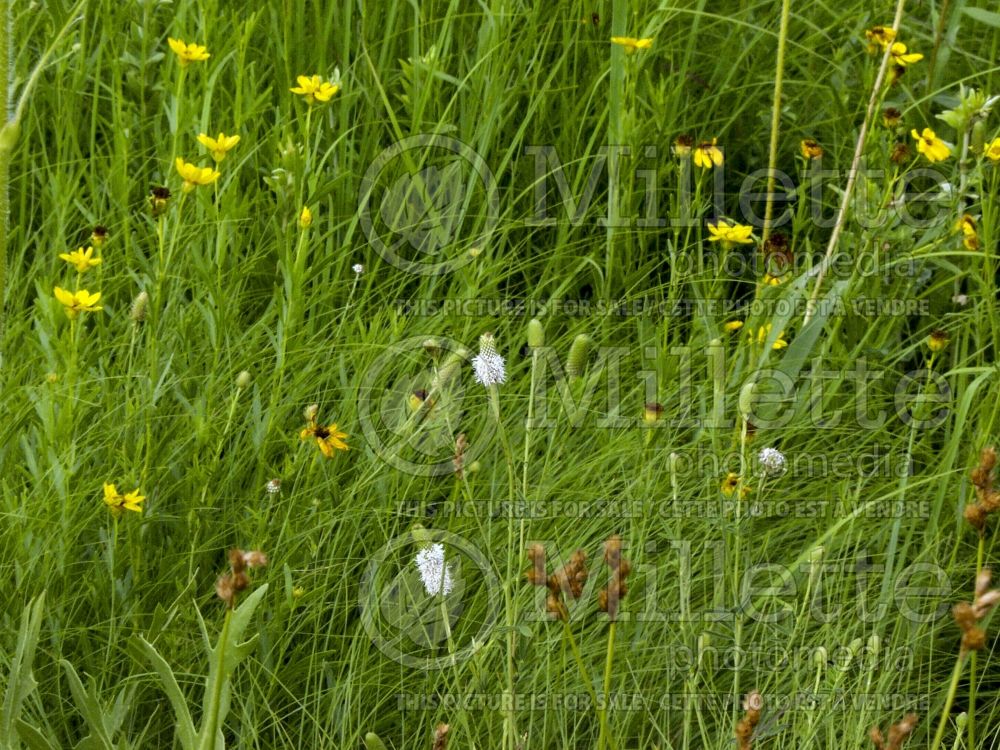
(499, 375)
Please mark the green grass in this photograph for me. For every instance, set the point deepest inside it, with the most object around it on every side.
(235, 285)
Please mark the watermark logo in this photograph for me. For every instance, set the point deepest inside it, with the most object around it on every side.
(426, 201)
(421, 624)
(414, 403)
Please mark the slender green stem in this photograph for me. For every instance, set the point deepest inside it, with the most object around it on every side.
(852, 176)
(772, 161)
(608, 664)
(949, 700)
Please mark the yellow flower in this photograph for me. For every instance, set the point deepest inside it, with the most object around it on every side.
(992, 150)
(78, 302)
(810, 149)
(118, 502)
(684, 143)
(194, 175)
(731, 482)
(218, 146)
(735, 234)
(305, 218)
(327, 438)
(708, 155)
(880, 36)
(99, 236)
(732, 325)
(631, 44)
(761, 336)
(970, 235)
(315, 89)
(938, 340)
(770, 280)
(901, 57)
(931, 146)
(82, 259)
(188, 53)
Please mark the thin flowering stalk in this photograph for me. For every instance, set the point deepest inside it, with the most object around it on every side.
(852, 174)
(772, 161)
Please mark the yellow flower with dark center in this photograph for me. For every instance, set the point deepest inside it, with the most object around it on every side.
(708, 155)
(188, 53)
(891, 117)
(931, 146)
(879, 36)
(938, 340)
(762, 334)
(220, 146)
(159, 198)
(194, 175)
(99, 236)
(77, 302)
(631, 44)
(328, 438)
(992, 150)
(730, 234)
(684, 143)
(969, 229)
(731, 483)
(315, 89)
(901, 57)
(117, 502)
(82, 259)
(810, 149)
(652, 412)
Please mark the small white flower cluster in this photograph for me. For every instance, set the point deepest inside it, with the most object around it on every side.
(358, 269)
(434, 573)
(488, 365)
(772, 461)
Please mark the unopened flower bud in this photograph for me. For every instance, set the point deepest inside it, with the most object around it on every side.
(536, 333)
(579, 351)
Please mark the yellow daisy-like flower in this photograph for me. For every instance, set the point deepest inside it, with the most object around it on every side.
(730, 234)
(220, 146)
(708, 155)
(992, 150)
(188, 53)
(77, 302)
(937, 340)
(880, 36)
(931, 146)
(315, 89)
(901, 57)
(731, 483)
(117, 502)
(194, 175)
(631, 44)
(810, 149)
(732, 325)
(328, 438)
(82, 259)
(970, 233)
(761, 336)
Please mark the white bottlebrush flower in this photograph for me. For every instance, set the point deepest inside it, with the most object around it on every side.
(488, 364)
(772, 461)
(358, 269)
(434, 573)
